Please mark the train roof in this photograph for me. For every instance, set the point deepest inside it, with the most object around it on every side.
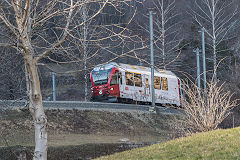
(135, 69)
(146, 70)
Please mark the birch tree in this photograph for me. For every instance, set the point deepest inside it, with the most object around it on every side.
(84, 30)
(217, 17)
(31, 22)
(167, 30)
(84, 44)
(21, 17)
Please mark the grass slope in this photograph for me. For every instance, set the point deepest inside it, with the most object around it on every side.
(219, 144)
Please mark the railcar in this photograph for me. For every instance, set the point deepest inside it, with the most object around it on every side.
(117, 82)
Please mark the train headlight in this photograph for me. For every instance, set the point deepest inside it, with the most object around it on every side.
(111, 89)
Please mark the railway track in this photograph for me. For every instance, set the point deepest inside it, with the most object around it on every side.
(80, 105)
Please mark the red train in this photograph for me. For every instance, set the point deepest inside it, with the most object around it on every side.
(130, 83)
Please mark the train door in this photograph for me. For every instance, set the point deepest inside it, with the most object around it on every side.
(121, 83)
(129, 86)
(147, 93)
(138, 87)
(114, 85)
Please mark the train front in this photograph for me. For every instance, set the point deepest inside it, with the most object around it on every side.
(105, 83)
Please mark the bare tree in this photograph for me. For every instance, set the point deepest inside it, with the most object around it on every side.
(40, 29)
(84, 30)
(167, 30)
(217, 17)
(22, 17)
(107, 37)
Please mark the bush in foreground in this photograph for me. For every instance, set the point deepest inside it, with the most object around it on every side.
(205, 110)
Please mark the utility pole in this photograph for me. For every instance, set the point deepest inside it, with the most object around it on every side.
(204, 60)
(152, 58)
(198, 68)
(54, 87)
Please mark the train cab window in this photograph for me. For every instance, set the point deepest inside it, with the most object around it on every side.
(114, 80)
(129, 78)
(147, 84)
(157, 84)
(138, 80)
(164, 83)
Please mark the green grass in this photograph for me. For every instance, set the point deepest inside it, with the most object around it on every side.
(218, 144)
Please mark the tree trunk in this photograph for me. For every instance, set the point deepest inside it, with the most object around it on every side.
(85, 51)
(36, 108)
(163, 35)
(214, 41)
(25, 12)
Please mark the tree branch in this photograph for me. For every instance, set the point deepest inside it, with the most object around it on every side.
(71, 8)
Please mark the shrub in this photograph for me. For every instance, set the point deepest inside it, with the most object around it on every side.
(205, 110)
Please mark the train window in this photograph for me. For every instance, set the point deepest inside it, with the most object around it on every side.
(147, 84)
(138, 80)
(157, 84)
(164, 83)
(129, 78)
(114, 80)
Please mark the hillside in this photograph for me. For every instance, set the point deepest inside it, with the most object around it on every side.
(219, 144)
